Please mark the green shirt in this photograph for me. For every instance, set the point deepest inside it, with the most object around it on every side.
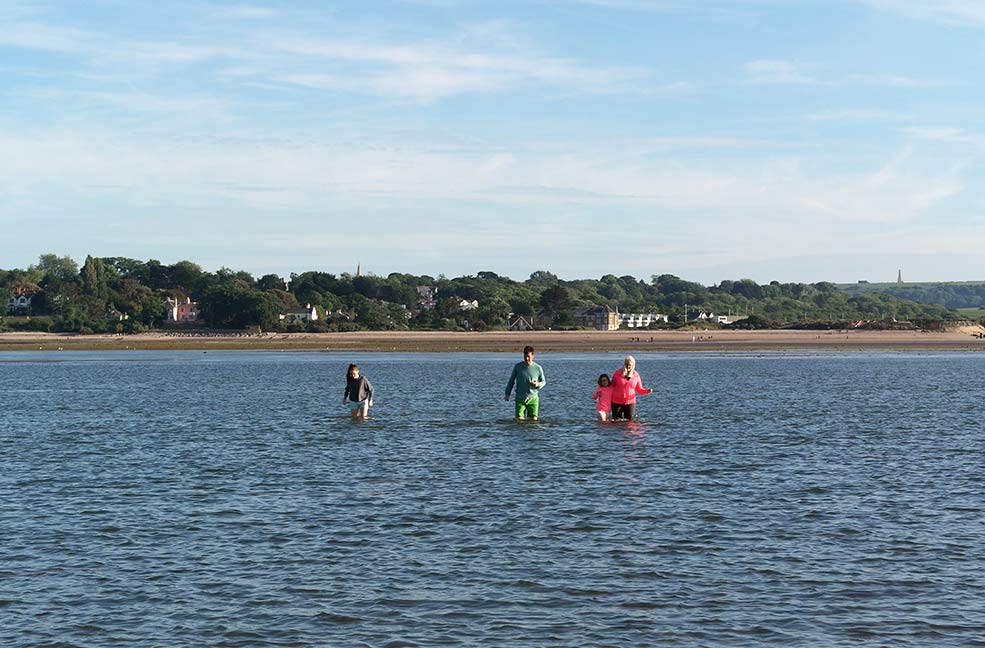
(521, 377)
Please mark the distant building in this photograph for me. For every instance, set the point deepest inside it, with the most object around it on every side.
(600, 318)
(300, 315)
(708, 316)
(641, 320)
(181, 312)
(20, 302)
(466, 305)
(337, 314)
(519, 323)
(427, 297)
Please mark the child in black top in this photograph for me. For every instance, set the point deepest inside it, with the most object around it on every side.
(358, 393)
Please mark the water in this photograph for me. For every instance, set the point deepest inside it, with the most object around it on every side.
(225, 499)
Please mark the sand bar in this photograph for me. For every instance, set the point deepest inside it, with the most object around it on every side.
(963, 339)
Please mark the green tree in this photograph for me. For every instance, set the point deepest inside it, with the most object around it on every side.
(555, 301)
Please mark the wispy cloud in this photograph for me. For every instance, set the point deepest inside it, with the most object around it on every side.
(890, 81)
(245, 12)
(717, 8)
(767, 72)
(51, 38)
(433, 71)
(424, 70)
(856, 115)
(946, 134)
(952, 12)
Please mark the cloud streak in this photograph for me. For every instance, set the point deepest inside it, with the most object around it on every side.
(967, 13)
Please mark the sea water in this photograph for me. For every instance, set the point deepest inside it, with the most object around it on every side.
(226, 499)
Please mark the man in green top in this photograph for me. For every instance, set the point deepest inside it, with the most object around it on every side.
(528, 376)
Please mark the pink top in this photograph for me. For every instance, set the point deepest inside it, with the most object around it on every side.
(604, 397)
(624, 389)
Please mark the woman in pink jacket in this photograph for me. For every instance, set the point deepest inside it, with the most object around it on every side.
(626, 384)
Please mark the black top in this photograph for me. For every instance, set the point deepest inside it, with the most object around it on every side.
(358, 389)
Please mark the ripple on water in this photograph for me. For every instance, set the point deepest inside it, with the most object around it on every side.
(226, 500)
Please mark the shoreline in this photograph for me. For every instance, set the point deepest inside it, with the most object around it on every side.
(499, 341)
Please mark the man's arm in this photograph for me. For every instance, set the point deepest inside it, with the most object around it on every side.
(509, 385)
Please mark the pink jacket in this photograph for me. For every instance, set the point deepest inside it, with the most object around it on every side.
(604, 396)
(624, 390)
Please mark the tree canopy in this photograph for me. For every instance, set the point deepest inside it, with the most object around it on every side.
(123, 294)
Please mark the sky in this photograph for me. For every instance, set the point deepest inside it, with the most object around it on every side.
(796, 141)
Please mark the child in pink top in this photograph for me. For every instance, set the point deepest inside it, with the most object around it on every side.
(603, 394)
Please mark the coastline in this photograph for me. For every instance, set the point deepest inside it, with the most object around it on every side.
(499, 341)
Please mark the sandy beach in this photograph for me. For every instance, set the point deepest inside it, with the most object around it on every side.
(963, 339)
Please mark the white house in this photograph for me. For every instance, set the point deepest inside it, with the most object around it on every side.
(466, 305)
(640, 320)
(708, 316)
(20, 302)
(518, 323)
(300, 315)
(427, 297)
(181, 312)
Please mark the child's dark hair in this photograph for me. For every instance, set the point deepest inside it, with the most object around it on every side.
(604, 377)
(348, 372)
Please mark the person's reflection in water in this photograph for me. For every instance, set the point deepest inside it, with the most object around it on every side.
(635, 430)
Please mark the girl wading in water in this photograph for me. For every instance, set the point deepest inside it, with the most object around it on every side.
(358, 393)
(626, 384)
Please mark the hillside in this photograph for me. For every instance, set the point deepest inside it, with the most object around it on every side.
(950, 294)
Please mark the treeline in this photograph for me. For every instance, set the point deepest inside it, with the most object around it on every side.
(949, 294)
(117, 294)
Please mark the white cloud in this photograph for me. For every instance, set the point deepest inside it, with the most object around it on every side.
(477, 58)
(943, 134)
(952, 12)
(433, 71)
(49, 38)
(688, 210)
(768, 72)
(245, 12)
(891, 81)
(855, 115)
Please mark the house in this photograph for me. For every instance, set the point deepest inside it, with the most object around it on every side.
(519, 323)
(466, 305)
(337, 314)
(708, 316)
(21, 301)
(641, 320)
(600, 318)
(181, 312)
(300, 315)
(427, 297)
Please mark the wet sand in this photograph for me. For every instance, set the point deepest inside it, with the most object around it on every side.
(962, 339)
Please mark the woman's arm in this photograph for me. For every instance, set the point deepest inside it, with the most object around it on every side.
(640, 389)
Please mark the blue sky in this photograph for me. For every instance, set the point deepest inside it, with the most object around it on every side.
(711, 139)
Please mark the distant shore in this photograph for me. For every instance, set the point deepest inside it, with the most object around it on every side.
(962, 339)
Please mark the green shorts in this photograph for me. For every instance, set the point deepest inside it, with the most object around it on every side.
(527, 408)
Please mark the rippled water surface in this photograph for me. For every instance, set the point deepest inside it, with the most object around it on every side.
(225, 499)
